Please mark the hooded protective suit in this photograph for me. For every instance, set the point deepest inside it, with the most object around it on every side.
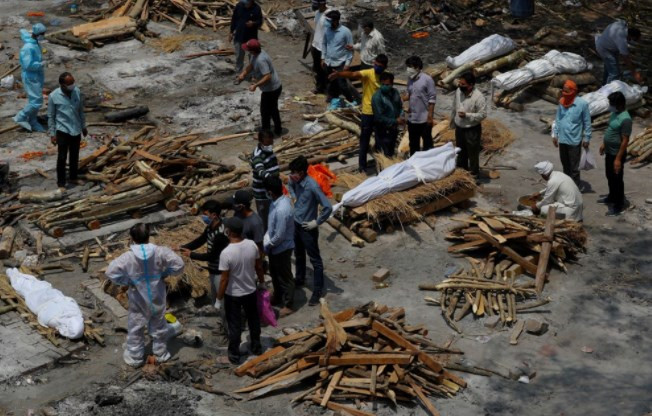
(143, 269)
(31, 63)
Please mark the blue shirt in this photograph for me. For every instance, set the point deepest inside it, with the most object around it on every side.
(66, 114)
(334, 47)
(280, 226)
(308, 196)
(571, 121)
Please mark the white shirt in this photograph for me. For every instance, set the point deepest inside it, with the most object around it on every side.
(239, 259)
(318, 36)
(370, 46)
(562, 190)
(474, 105)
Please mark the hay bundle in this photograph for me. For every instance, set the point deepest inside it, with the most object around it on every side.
(495, 136)
(403, 204)
(172, 43)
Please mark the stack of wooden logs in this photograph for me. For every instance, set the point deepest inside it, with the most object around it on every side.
(326, 146)
(138, 174)
(360, 354)
(640, 147)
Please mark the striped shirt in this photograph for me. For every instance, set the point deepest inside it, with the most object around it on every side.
(263, 164)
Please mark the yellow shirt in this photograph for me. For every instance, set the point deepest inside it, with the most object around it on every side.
(370, 84)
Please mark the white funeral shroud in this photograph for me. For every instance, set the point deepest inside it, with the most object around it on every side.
(422, 167)
(52, 308)
(599, 103)
(485, 50)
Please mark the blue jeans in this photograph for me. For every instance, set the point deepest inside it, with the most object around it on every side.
(308, 241)
(611, 67)
(366, 128)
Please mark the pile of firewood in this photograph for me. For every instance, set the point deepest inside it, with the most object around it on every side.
(138, 174)
(360, 354)
(640, 147)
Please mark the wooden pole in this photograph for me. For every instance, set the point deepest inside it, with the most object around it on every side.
(7, 242)
(348, 234)
(549, 233)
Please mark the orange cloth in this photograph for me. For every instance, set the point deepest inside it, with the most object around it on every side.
(324, 177)
(567, 98)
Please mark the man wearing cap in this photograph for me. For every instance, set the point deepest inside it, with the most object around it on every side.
(573, 121)
(265, 78)
(31, 63)
(247, 18)
(252, 225)
(241, 264)
(337, 55)
(320, 8)
(561, 192)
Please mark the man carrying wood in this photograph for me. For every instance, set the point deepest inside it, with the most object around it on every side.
(263, 165)
(144, 269)
(33, 76)
(267, 79)
(573, 121)
(321, 80)
(308, 196)
(246, 20)
(561, 192)
(279, 244)
(612, 45)
(421, 95)
(468, 111)
(370, 82)
(66, 124)
(240, 263)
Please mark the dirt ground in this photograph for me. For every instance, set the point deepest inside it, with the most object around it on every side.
(603, 302)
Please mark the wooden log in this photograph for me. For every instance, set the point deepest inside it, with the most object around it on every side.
(583, 78)
(352, 359)
(367, 234)
(7, 242)
(527, 266)
(135, 11)
(85, 258)
(39, 244)
(93, 156)
(333, 119)
(441, 203)
(105, 28)
(448, 80)
(423, 399)
(154, 178)
(128, 114)
(348, 234)
(219, 52)
(542, 267)
(218, 139)
(294, 351)
(40, 196)
(489, 67)
(244, 368)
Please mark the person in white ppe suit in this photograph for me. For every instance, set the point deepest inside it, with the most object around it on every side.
(561, 192)
(143, 268)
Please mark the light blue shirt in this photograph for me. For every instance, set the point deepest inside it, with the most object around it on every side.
(66, 114)
(571, 121)
(280, 226)
(308, 196)
(334, 48)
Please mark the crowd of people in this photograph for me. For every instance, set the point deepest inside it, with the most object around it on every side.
(240, 249)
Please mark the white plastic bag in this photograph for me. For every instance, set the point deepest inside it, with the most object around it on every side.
(587, 160)
(7, 82)
(485, 50)
(311, 128)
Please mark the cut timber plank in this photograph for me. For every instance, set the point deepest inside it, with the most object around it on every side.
(331, 386)
(149, 156)
(527, 266)
(292, 379)
(335, 334)
(366, 359)
(303, 334)
(295, 369)
(484, 227)
(242, 370)
(397, 339)
(516, 332)
(542, 267)
(423, 399)
(97, 153)
(341, 408)
(218, 139)
(472, 245)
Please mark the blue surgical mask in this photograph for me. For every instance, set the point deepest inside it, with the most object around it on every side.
(207, 220)
(379, 69)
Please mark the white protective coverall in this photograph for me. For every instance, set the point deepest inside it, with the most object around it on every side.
(143, 269)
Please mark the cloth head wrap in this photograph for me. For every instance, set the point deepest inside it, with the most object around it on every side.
(544, 168)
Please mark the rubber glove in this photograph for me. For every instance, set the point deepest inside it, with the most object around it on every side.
(310, 225)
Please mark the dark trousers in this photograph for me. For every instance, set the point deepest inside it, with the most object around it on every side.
(308, 241)
(233, 306)
(68, 147)
(418, 132)
(616, 182)
(341, 86)
(366, 128)
(262, 208)
(386, 137)
(269, 110)
(280, 268)
(570, 160)
(469, 140)
(321, 79)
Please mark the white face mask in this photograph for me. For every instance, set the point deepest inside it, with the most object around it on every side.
(412, 72)
(267, 148)
(69, 88)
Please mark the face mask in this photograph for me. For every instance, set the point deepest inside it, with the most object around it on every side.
(327, 20)
(464, 89)
(69, 88)
(40, 38)
(207, 220)
(379, 69)
(613, 109)
(412, 72)
(385, 89)
(267, 148)
(295, 177)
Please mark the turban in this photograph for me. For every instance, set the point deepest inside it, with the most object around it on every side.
(543, 168)
(38, 29)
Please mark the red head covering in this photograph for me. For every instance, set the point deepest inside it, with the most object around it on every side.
(567, 98)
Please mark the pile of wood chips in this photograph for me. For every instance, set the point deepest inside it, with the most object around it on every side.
(359, 354)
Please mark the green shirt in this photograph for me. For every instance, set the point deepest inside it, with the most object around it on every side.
(619, 125)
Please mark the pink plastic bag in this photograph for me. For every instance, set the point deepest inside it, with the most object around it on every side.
(265, 311)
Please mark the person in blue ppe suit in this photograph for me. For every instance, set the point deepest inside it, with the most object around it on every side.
(143, 268)
(31, 62)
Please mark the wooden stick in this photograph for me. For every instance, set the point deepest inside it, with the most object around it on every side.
(7, 242)
(331, 386)
(215, 140)
(549, 233)
(348, 234)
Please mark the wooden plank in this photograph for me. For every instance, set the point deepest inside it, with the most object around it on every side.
(335, 334)
(366, 359)
(472, 245)
(516, 332)
(542, 267)
(423, 399)
(97, 153)
(215, 140)
(331, 386)
(149, 156)
(353, 323)
(527, 266)
(396, 338)
(484, 227)
(113, 23)
(336, 407)
(242, 370)
(291, 372)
